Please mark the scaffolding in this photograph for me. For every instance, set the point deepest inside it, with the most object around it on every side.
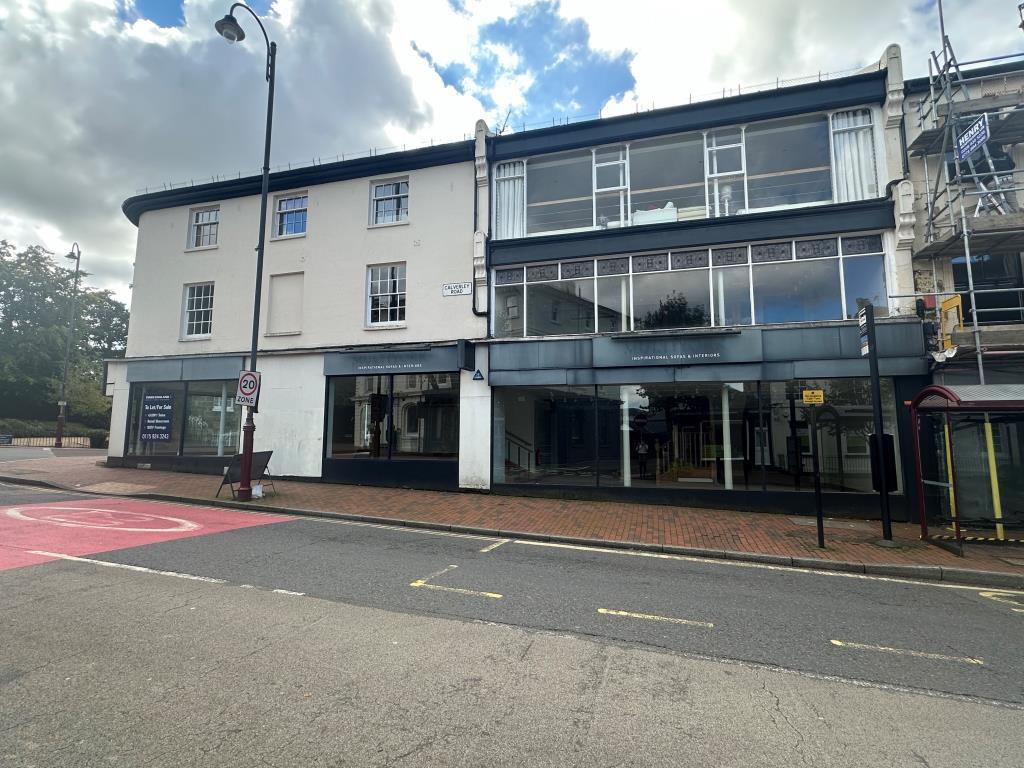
(971, 199)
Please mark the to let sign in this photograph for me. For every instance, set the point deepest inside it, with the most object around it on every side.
(456, 289)
(248, 389)
(157, 418)
(973, 138)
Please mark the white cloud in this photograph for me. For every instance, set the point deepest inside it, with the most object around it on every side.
(93, 107)
(690, 50)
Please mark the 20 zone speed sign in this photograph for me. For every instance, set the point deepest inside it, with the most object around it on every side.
(248, 389)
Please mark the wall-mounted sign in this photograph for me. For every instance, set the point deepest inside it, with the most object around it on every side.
(456, 289)
(157, 418)
(973, 138)
(477, 376)
(742, 347)
(814, 396)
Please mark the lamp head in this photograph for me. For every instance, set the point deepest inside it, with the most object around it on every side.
(229, 29)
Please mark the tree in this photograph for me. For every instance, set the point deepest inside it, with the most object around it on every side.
(674, 311)
(35, 293)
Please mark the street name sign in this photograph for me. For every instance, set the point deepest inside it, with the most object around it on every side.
(456, 289)
(248, 389)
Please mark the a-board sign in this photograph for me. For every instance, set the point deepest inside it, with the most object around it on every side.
(973, 138)
(157, 421)
(814, 396)
(456, 289)
(248, 389)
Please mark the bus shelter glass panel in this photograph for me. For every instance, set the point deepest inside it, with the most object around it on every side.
(988, 466)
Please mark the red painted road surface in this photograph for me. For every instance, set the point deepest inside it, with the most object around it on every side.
(90, 525)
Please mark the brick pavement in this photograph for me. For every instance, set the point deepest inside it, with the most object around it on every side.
(643, 523)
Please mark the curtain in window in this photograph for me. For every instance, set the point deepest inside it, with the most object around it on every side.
(510, 200)
(854, 147)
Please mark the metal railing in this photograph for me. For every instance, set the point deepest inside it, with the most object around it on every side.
(42, 442)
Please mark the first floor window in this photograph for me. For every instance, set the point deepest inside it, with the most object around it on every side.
(386, 283)
(789, 281)
(290, 217)
(199, 309)
(390, 202)
(203, 228)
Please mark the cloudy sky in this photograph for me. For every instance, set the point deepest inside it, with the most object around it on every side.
(101, 98)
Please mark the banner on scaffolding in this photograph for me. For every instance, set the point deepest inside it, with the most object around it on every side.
(973, 138)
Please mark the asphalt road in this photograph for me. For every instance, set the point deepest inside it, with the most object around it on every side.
(387, 646)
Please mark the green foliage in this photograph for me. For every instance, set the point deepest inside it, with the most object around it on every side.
(35, 300)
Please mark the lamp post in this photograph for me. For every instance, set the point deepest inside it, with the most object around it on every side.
(229, 29)
(62, 402)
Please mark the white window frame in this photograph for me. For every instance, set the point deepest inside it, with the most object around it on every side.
(193, 224)
(186, 310)
(373, 223)
(370, 324)
(275, 231)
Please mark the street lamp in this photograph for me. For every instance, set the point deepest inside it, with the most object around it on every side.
(230, 30)
(62, 402)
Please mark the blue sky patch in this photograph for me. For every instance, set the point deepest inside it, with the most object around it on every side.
(569, 78)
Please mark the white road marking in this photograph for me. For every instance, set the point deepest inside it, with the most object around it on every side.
(763, 566)
(124, 566)
(907, 652)
(655, 617)
(495, 545)
(1005, 597)
(99, 517)
(288, 592)
(386, 526)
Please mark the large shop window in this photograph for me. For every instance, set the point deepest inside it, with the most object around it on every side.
(183, 418)
(391, 417)
(793, 281)
(726, 171)
(685, 436)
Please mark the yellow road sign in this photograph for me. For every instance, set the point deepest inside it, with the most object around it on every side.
(814, 396)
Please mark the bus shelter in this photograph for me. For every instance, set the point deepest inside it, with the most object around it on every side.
(969, 461)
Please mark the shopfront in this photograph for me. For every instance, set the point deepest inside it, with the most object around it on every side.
(703, 417)
(182, 414)
(392, 415)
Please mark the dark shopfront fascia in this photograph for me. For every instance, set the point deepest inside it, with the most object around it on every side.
(181, 414)
(706, 418)
(391, 416)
